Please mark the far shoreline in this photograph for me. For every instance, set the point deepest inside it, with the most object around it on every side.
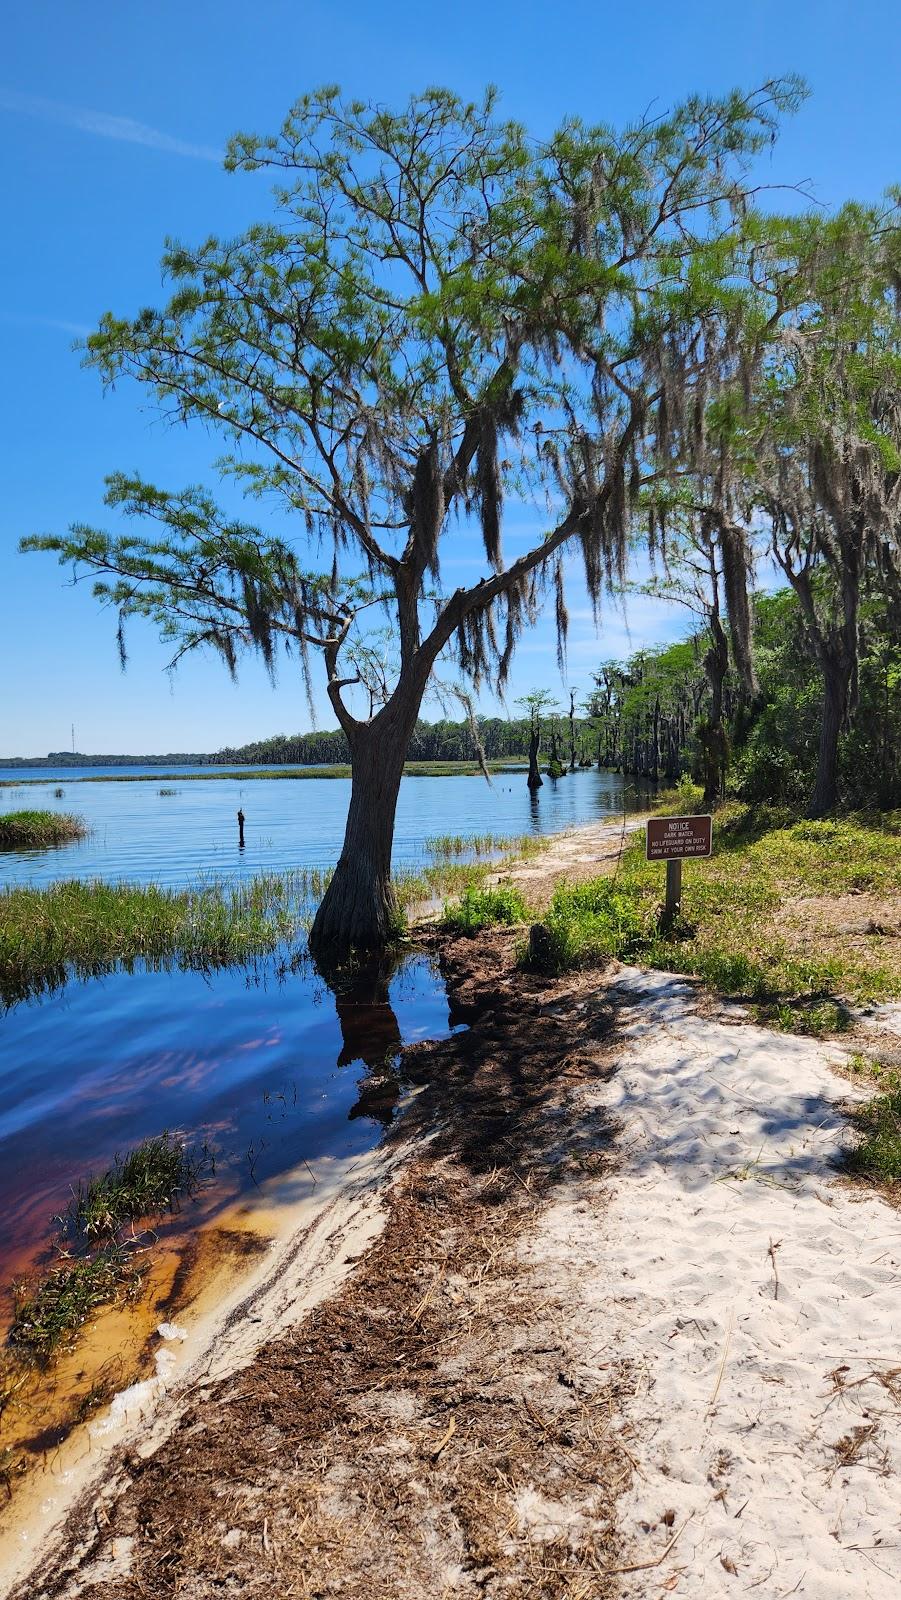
(412, 769)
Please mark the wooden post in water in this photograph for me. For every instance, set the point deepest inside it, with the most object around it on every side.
(240, 830)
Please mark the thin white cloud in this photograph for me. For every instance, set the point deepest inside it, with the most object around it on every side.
(78, 330)
(104, 125)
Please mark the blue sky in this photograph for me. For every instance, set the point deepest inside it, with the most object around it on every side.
(111, 119)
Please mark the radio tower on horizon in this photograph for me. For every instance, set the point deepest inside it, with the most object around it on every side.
(73, 738)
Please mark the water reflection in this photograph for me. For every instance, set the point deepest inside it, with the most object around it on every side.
(270, 1072)
(371, 1033)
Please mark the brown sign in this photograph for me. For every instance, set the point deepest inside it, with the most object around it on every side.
(678, 838)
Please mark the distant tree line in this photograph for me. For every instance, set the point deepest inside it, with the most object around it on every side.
(501, 738)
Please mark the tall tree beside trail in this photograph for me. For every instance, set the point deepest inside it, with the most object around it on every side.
(439, 311)
(695, 571)
(826, 447)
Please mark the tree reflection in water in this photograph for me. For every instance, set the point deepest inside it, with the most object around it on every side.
(370, 1033)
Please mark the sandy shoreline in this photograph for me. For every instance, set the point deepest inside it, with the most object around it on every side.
(601, 1317)
(306, 1250)
(233, 1311)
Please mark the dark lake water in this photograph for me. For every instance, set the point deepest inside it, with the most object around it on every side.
(270, 1067)
(141, 834)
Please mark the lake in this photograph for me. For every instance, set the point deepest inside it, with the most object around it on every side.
(264, 1065)
(144, 835)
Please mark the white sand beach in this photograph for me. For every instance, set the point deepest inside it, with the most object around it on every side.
(757, 1296)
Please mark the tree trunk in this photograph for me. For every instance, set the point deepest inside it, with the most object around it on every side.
(836, 679)
(713, 733)
(535, 779)
(359, 913)
(572, 732)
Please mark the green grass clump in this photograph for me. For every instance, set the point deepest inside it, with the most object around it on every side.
(586, 923)
(146, 1182)
(39, 830)
(878, 1155)
(484, 908)
(82, 928)
(98, 1244)
(53, 1311)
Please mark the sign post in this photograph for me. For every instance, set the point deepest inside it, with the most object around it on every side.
(674, 840)
(673, 898)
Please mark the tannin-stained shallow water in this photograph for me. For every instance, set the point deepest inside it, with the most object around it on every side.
(267, 1070)
(265, 1065)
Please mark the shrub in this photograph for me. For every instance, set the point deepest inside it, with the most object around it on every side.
(585, 923)
(484, 908)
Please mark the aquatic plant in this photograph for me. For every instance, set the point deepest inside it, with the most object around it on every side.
(38, 830)
(451, 846)
(82, 928)
(99, 1261)
(46, 1314)
(148, 1181)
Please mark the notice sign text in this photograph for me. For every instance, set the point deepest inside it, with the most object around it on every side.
(679, 838)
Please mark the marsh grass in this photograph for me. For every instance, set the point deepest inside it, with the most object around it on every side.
(449, 875)
(50, 1313)
(101, 1255)
(83, 928)
(412, 769)
(453, 846)
(149, 1181)
(39, 830)
(733, 931)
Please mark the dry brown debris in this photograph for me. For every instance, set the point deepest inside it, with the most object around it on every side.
(428, 1431)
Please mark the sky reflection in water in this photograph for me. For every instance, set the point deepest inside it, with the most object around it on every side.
(271, 1069)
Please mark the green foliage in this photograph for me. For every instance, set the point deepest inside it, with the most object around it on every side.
(439, 310)
(774, 743)
(777, 760)
(733, 932)
(83, 928)
(480, 908)
(38, 830)
(586, 923)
